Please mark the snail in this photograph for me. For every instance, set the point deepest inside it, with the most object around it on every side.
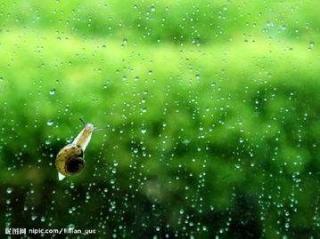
(70, 159)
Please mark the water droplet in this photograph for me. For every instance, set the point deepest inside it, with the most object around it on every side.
(71, 227)
(311, 45)
(124, 42)
(50, 122)
(52, 92)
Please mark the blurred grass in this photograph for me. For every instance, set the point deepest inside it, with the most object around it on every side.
(209, 107)
(168, 21)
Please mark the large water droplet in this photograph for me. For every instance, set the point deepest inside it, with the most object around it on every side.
(52, 92)
(50, 122)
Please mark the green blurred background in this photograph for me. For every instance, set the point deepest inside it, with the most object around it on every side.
(209, 117)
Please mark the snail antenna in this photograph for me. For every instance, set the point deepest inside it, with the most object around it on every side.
(95, 128)
(82, 121)
(98, 129)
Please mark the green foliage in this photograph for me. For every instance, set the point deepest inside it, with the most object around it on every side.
(215, 137)
(168, 21)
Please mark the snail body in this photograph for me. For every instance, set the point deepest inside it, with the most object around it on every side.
(70, 159)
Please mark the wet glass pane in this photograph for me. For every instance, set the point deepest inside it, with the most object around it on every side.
(195, 119)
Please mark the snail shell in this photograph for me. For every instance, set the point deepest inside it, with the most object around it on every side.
(70, 159)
